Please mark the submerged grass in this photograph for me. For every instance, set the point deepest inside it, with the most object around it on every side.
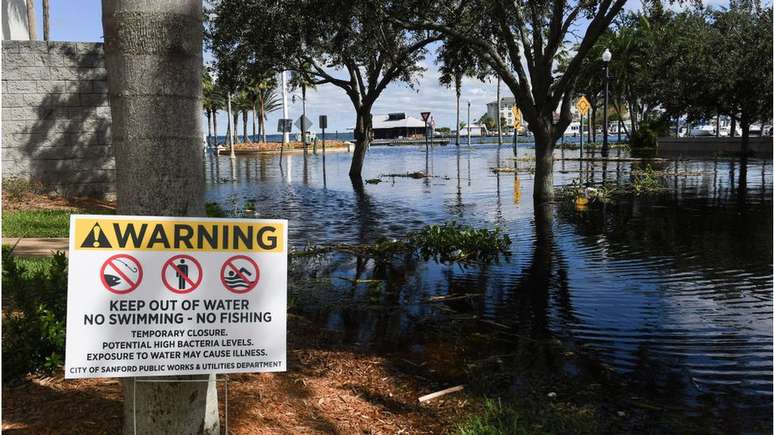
(498, 418)
(446, 243)
(644, 181)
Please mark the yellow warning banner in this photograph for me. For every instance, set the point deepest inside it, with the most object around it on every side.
(176, 234)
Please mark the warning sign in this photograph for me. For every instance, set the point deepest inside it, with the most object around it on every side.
(181, 274)
(240, 274)
(583, 105)
(156, 296)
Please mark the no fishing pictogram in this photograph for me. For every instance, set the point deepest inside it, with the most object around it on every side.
(121, 274)
(240, 274)
(181, 274)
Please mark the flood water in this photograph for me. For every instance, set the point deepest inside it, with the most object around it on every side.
(673, 291)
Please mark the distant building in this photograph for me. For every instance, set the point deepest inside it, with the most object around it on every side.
(397, 125)
(476, 130)
(506, 104)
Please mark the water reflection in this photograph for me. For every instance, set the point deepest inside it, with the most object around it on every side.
(672, 290)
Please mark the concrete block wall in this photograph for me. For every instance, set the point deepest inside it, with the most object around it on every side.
(56, 118)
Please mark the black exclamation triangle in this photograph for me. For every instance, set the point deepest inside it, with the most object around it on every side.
(96, 238)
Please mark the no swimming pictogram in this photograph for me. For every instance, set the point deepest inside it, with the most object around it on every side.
(181, 274)
(240, 274)
(120, 274)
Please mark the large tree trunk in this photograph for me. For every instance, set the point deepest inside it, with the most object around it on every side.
(745, 149)
(544, 161)
(362, 133)
(153, 54)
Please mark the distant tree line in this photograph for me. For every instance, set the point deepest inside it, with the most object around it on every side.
(695, 63)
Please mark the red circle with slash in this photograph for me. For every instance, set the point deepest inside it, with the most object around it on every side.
(237, 280)
(131, 266)
(185, 283)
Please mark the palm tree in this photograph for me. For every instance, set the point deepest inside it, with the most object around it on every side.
(212, 101)
(456, 63)
(242, 104)
(267, 101)
(159, 168)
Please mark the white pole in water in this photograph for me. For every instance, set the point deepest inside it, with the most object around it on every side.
(285, 135)
(230, 126)
(468, 124)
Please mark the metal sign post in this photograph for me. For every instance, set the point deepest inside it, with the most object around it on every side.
(516, 126)
(425, 117)
(323, 122)
(583, 107)
(284, 126)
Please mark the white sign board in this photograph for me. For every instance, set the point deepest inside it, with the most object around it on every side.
(155, 296)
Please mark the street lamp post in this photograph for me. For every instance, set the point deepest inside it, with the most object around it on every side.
(605, 61)
(468, 124)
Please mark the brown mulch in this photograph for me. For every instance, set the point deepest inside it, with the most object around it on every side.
(328, 388)
(35, 201)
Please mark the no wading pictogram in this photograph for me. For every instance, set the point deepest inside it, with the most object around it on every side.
(240, 274)
(181, 274)
(120, 274)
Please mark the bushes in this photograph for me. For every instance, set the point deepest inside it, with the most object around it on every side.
(34, 310)
(16, 188)
(643, 138)
(648, 133)
(451, 242)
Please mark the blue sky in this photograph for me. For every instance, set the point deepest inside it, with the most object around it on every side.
(81, 20)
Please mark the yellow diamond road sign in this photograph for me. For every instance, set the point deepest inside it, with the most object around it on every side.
(516, 117)
(583, 106)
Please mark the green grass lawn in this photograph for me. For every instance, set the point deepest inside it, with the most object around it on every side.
(40, 223)
(36, 223)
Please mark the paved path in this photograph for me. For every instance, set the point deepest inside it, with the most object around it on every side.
(36, 247)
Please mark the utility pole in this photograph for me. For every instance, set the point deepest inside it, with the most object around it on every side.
(499, 127)
(286, 134)
(468, 124)
(606, 61)
(230, 126)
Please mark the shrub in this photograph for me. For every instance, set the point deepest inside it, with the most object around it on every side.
(643, 138)
(34, 315)
(16, 188)
(214, 210)
(451, 242)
